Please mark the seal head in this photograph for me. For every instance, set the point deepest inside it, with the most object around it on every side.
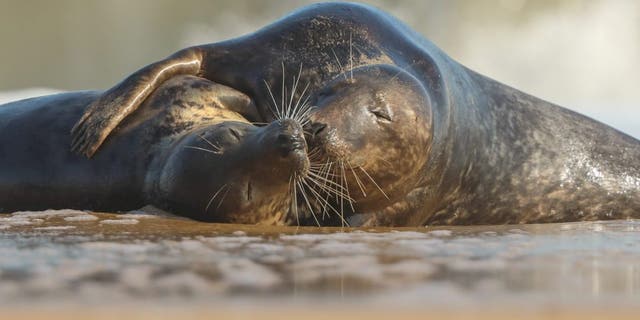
(376, 125)
(242, 172)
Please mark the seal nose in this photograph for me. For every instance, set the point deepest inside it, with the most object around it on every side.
(288, 143)
(290, 138)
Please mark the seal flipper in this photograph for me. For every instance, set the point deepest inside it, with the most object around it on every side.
(104, 115)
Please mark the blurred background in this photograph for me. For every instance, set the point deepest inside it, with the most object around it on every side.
(584, 55)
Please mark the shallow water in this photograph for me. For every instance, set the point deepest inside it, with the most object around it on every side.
(79, 258)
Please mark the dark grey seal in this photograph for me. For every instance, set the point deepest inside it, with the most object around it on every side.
(483, 152)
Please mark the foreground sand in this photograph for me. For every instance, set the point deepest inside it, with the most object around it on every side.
(70, 264)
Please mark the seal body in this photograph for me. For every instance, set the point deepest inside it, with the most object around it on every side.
(488, 153)
(181, 146)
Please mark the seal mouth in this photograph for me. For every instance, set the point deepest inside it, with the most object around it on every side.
(290, 143)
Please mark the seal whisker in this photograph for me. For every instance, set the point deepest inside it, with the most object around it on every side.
(316, 166)
(213, 145)
(321, 170)
(351, 54)
(339, 186)
(341, 198)
(328, 189)
(284, 88)
(223, 197)
(358, 182)
(328, 164)
(206, 209)
(326, 203)
(285, 92)
(340, 65)
(346, 186)
(313, 158)
(303, 115)
(203, 149)
(315, 155)
(385, 161)
(276, 113)
(328, 171)
(305, 110)
(294, 198)
(301, 111)
(374, 182)
(299, 107)
(322, 182)
(296, 80)
(304, 195)
(287, 108)
(315, 193)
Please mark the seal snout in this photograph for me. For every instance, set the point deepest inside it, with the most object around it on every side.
(290, 137)
(288, 143)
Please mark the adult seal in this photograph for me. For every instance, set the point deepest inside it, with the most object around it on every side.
(186, 150)
(482, 153)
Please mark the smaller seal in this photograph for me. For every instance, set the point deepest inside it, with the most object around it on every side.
(184, 150)
(242, 173)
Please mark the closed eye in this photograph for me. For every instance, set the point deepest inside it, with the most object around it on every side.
(381, 114)
(235, 133)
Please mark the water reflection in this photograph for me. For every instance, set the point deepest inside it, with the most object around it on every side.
(104, 257)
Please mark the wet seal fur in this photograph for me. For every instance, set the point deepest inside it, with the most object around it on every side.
(185, 150)
(494, 154)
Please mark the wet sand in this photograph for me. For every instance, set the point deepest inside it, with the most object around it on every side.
(73, 264)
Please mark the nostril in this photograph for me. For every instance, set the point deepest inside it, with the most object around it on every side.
(284, 139)
(317, 128)
(287, 143)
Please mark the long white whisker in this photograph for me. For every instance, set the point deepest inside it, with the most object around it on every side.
(346, 186)
(351, 54)
(330, 182)
(298, 106)
(213, 197)
(282, 98)
(209, 142)
(275, 104)
(358, 182)
(328, 171)
(296, 80)
(203, 149)
(304, 195)
(339, 64)
(327, 189)
(341, 198)
(222, 199)
(295, 199)
(326, 203)
(374, 182)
